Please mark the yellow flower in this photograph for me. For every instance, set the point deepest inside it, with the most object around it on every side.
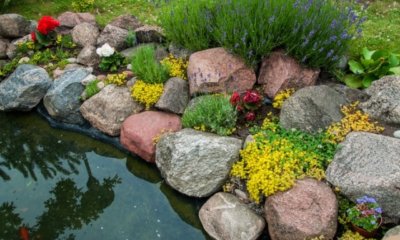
(59, 39)
(177, 66)
(117, 79)
(146, 93)
(281, 97)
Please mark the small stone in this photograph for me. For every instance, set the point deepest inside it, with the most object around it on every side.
(89, 69)
(396, 134)
(131, 82)
(129, 67)
(24, 60)
(71, 60)
(100, 85)
(90, 78)
(88, 56)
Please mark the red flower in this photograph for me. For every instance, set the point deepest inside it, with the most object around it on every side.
(250, 116)
(235, 98)
(47, 24)
(239, 108)
(252, 97)
(33, 36)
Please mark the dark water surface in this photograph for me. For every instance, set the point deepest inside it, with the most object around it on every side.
(63, 185)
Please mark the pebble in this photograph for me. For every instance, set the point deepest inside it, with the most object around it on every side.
(396, 134)
(88, 79)
(23, 60)
(129, 67)
(72, 60)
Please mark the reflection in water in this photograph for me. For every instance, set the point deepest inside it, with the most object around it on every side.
(55, 185)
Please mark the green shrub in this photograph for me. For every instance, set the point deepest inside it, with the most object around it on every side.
(91, 89)
(317, 33)
(112, 63)
(146, 67)
(212, 113)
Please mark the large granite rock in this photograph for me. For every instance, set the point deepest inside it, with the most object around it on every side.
(127, 22)
(88, 56)
(149, 34)
(369, 164)
(71, 19)
(392, 234)
(85, 34)
(24, 88)
(306, 211)
(384, 103)
(14, 26)
(140, 132)
(224, 217)
(62, 100)
(114, 36)
(215, 70)
(109, 108)
(175, 96)
(196, 163)
(279, 72)
(312, 108)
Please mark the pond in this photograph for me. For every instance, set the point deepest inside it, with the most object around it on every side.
(62, 185)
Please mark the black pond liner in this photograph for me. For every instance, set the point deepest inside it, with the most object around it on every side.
(85, 129)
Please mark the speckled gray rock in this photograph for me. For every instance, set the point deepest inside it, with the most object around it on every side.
(88, 56)
(127, 22)
(24, 88)
(14, 25)
(62, 100)
(114, 36)
(85, 34)
(108, 109)
(308, 210)
(3, 48)
(148, 34)
(224, 217)
(312, 108)
(384, 103)
(369, 164)
(392, 234)
(196, 163)
(175, 96)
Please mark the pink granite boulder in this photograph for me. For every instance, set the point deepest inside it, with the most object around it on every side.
(216, 70)
(306, 211)
(139, 132)
(279, 72)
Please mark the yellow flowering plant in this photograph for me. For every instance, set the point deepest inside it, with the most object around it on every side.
(117, 79)
(280, 98)
(177, 66)
(147, 93)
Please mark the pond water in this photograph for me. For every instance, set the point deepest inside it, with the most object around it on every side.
(63, 185)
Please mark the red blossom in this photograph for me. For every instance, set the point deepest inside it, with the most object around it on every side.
(250, 116)
(252, 97)
(239, 108)
(47, 24)
(235, 98)
(33, 36)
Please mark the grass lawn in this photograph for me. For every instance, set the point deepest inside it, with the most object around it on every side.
(381, 30)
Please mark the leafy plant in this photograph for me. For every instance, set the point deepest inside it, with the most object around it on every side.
(317, 33)
(45, 34)
(112, 63)
(82, 5)
(9, 67)
(91, 89)
(131, 38)
(212, 113)
(371, 66)
(365, 214)
(146, 67)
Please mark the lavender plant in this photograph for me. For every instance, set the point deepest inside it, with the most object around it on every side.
(316, 32)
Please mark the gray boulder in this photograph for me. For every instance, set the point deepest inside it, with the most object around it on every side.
(71, 19)
(368, 164)
(149, 34)
(384, 103)
(14, 26)
(62, 100)
(312, 108)
(88, 56)
(85, 34)
(127, 22)
(3, 48)
(175, 96)
(108, 109)
(24, 88)
(392, 234)
(114, 36)
(196, 163)
(224, 217)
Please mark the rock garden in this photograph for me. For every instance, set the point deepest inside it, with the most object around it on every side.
(255, 106)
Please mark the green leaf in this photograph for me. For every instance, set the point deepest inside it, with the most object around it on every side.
(380, 54)
(393, 60)
(367, 54)
(367, 63)
(395, 70)
(356, 67)
(367, 81)
(352, 81)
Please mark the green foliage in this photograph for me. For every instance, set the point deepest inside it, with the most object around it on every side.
(315, 32)
(112, 63)
(9, 67)
(371, 66)
(82, 5)
(131, 38)
(213, 113)
(146, 67)
(91, 89)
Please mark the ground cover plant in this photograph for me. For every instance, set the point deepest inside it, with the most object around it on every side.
(211, 113)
